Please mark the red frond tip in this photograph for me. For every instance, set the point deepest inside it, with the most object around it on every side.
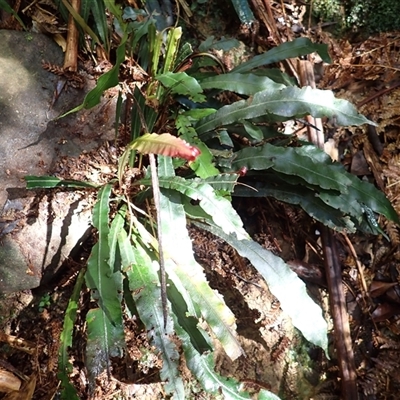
(242, 171)
(194, 153)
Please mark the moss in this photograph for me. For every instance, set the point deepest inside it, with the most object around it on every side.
(327, 10)
(368, 15)
(373, 15)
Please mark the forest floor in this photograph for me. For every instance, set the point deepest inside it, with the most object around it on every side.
(278, 359)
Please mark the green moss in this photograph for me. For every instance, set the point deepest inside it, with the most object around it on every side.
(373, 15)
(368, 15)
(327, 10)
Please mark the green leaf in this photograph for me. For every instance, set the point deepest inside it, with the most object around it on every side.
(284, 284)
(187, 275)
(253, 131)
(105, 325)
(7, 8)
(48, 182)
(224, 182)
(247, 84)
(289, 102)
(219, 208)
(106, 81)
(302, 196)
(79, 21)
(100, 275)
(203, 368)
(369, 195)
(184, 53)
(277, 76)
(182, 83)
(64, 365)
(115, 9)
(116, 226)
(199, 339)
(356, 191)
(203, 165)
(296, 48)
(100, 19)
(142, 273)
(104, 340)
(291, 161)
(141, 109)
(172, 45)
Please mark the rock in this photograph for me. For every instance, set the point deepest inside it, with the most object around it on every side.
(38, 230)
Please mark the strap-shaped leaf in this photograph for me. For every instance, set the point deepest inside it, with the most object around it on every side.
(312, 168)
(219, 208)
(100, 275)
(187, 275)
(198, 337)
(104, 340)
(100, 18)
(284, 284)
(182, 83)
(357, 191)
(106, 81)
(116, 226)
(225, 182)
(247, 84)
(296, 48)
(142, 274)
(64, 365)
(289, 102)
(49, 182)
(302, 196)
(203, 368)
(369, 195)
(291, 161)
(105, 325)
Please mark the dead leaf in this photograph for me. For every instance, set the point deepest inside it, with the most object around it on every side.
(384, 312)
(25, 393)
(379, 288)
(8, 381)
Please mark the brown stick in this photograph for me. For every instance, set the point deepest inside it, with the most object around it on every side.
(341, 325)
(71, 52)
(333, 271)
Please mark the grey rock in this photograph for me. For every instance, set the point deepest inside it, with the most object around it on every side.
(38, 230)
